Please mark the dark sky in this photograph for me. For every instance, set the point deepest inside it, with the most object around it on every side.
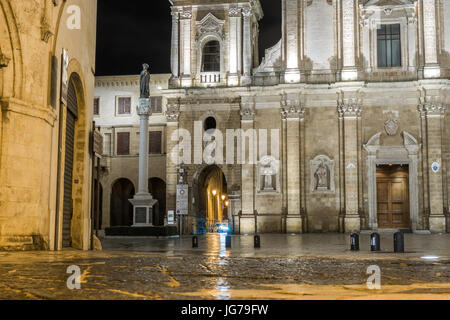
(132, 32)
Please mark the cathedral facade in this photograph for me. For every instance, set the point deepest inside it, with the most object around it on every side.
(344, 125)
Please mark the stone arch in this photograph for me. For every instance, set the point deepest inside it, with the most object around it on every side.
(13, 52)
(121, 210)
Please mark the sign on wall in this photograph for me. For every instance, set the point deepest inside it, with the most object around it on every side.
(170, 217)
(182, 207)
(64, 75)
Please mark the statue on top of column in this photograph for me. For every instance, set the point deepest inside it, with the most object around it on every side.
(145, 82)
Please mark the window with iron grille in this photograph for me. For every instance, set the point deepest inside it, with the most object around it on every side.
(124, 105)
(156, 104)
(123, 143)
(96, 106)
(211, 57)
(155, 142)
(389, 46)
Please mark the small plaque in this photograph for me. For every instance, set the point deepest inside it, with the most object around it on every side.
(435, 166)
(140, 215)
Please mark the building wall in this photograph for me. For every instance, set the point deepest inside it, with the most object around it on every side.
(32, 37)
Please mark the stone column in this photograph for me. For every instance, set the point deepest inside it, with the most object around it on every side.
(175, 44)
(143, 201)
(349, 111)
(412, 50)
(234, 45)
(431, 69)
(434, 112)
(292, 112)
(185, 41)
(292, 40)
(172, 116)
(349, 71)
(248, 219)
(247, 48)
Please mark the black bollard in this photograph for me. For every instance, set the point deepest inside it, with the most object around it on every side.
(228, 241)
(194, 242)
(257, 241)
(354, 242)
(399, 242)
(375, 242)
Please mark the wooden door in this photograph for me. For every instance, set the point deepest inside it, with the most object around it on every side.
(393, 197)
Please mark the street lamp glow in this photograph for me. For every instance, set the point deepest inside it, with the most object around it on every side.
(227, 203)
(214, 192)
(430, 257)
(223, 197)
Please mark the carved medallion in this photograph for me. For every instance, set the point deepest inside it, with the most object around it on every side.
(391, 127)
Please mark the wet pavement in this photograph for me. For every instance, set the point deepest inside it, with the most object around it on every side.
(310, 266)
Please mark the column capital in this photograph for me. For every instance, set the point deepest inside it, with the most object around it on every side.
(350, 108)
(291, 108)
(186, 14)
(173, 112)
(247, 113)
(247, 12)
(234, 12)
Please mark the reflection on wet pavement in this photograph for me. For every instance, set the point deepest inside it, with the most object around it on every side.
(286, 267)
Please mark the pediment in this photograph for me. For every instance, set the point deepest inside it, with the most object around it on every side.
(210, 24)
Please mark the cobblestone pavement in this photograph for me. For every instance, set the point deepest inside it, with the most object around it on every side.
(286, 267)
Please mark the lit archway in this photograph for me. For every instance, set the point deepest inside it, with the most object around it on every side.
(211, 198)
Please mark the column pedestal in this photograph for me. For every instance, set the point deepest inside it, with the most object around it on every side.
(294, 224)
(437, 224)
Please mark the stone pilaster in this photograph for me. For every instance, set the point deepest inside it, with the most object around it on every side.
(172, 115)
(350, 111)
(292, 112)
(431, 69)
(349, 71)
(185, 52)
(292, 40)
(433, 111)
(247, 46)
(175, 44)
(248, 218)
(234, 45)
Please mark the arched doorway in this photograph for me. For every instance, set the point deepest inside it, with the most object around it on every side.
(121, 209)
(71, 118)
(211, 199)
(157, 188)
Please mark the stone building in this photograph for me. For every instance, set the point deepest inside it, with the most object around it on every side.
(115, 114)
(352, 101)
(45, 163)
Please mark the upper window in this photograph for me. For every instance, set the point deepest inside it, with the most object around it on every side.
(124, 105)
(211, 57)
(155, 142)
(96, 106)
(389, 46)
(156, 104)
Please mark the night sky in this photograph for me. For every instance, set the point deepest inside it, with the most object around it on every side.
(132, 32)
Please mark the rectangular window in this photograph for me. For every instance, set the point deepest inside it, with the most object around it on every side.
(155, 142)
(123, 143)
(389, 46)
(156, 104)
(124, 105)
(96, 106)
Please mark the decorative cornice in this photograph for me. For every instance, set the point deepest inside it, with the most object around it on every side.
(350, 108)
(291, 109)
(234, 11)
(431, 106)
(210, 25)
(46, 114)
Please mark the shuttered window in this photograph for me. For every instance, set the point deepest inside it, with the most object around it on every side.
(123, 143)
(156, 104)
(124, 105)
(155, 142)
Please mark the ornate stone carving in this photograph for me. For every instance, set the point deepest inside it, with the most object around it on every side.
(291, 109)
(247, 12)
(4, 60)
(268, 174)
(234, 11)
(143, 109)
(431, 106)
(46, 30)
(271, 62)
(247, 114)
(350, 108)
(173, 112)
(210, 25)
(186, 13)
(391, 127)
(322, 174)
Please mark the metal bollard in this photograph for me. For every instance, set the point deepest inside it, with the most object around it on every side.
(375, 242)
(228, 242)
(194, 242)
(354, 242)
(257, 241)
(399, 242)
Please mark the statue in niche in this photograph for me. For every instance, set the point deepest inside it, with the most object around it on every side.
(322, 177)
(268, 185)
(268, 170)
